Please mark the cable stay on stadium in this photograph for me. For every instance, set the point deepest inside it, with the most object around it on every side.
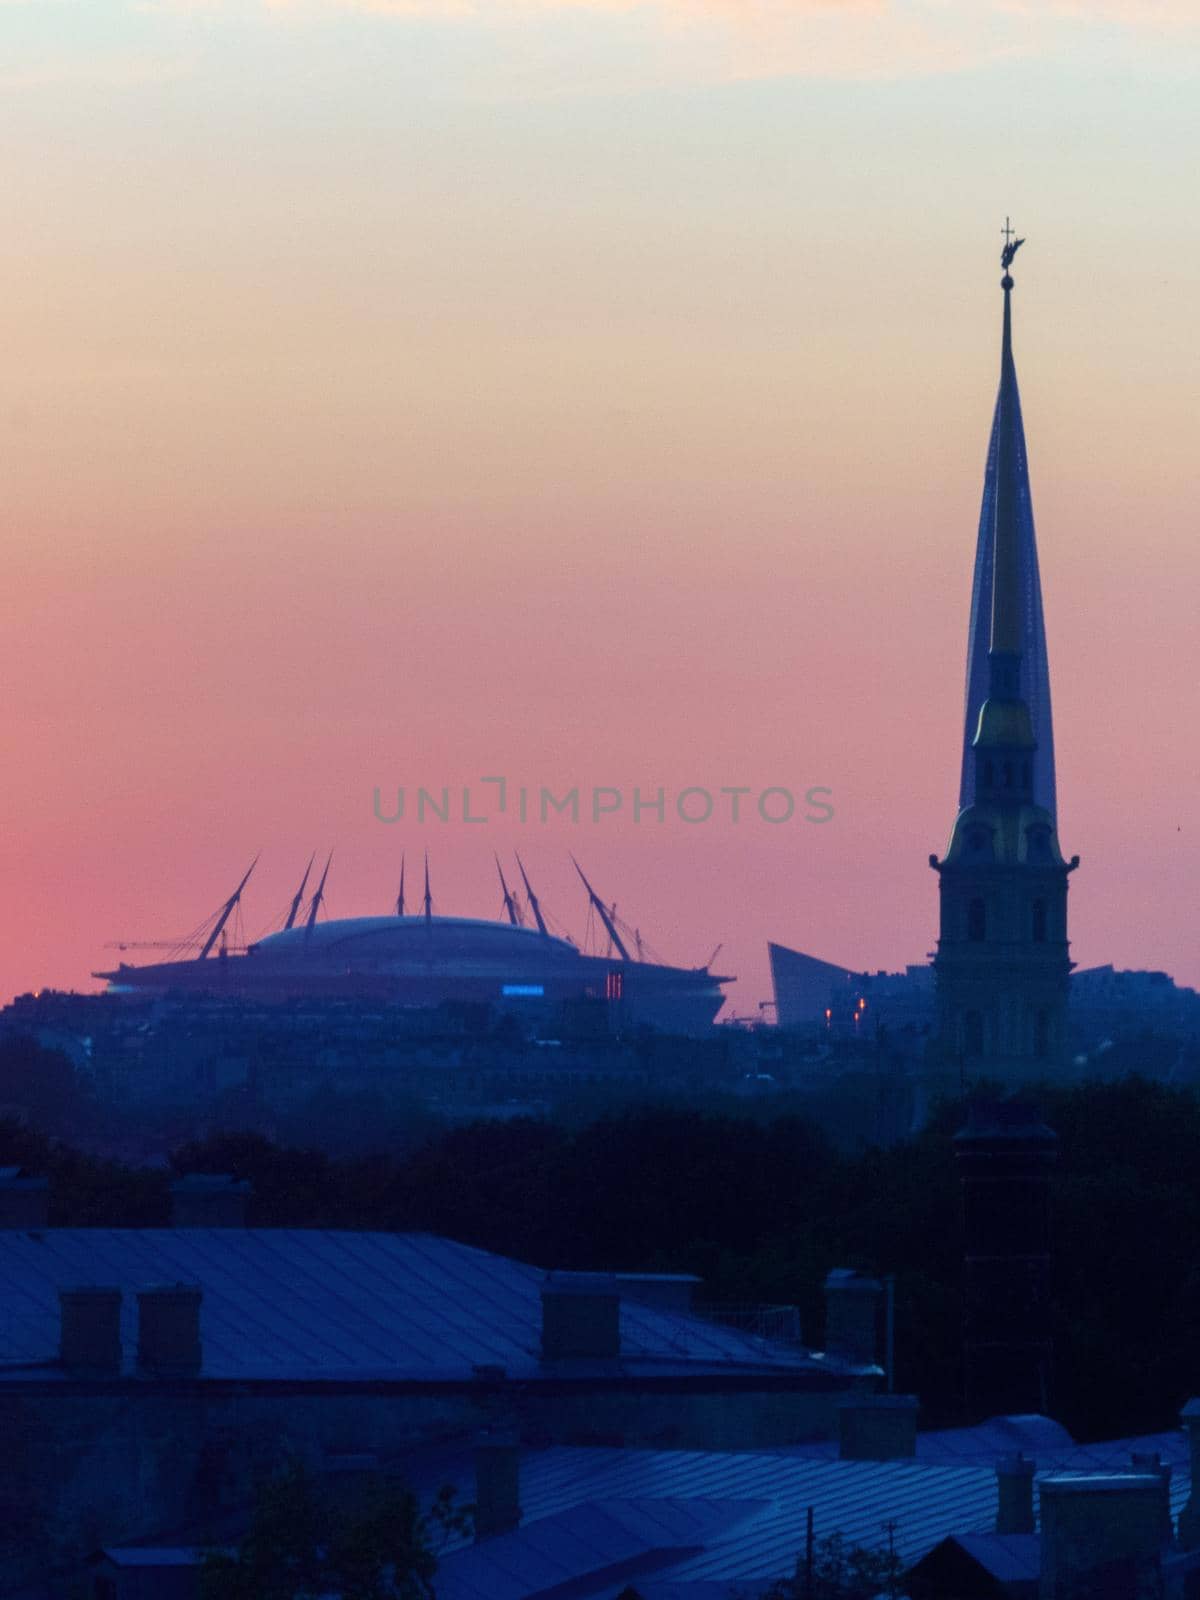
(318, 899)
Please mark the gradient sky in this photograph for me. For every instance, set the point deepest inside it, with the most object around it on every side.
(596, 393)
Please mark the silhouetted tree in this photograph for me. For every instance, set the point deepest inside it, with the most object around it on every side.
(300, 1547)
(840, 1571)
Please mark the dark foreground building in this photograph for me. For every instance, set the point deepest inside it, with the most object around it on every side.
(149, 1377)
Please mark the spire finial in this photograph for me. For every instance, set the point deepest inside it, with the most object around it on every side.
(1011, 246)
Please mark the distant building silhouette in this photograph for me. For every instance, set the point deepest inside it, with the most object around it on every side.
(1002, 965)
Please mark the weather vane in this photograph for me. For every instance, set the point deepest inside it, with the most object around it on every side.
(1011, 245)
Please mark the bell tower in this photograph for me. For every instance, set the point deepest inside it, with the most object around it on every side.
(1002, 964)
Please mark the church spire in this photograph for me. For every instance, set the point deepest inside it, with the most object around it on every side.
(1002, 965)
(1006, 553)
(1006, 651)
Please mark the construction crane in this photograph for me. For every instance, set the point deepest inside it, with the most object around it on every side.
(152, 944)
(226, 912)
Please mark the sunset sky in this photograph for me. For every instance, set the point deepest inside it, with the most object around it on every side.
(399, 392)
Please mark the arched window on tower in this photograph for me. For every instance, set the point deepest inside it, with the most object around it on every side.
(973, 1033)
(976, 920)
(1039, 922)
(989, 775)
(1041, 1034)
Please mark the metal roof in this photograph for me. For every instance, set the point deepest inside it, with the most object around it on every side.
(1046, 1442)
(149, 1555)
(400, 932)
(1009, 1557)
(751, 1516)
(613, 1539)
(295, 1305)
(925, 1501)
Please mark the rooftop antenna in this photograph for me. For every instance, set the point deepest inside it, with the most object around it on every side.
(427, 903)
(610, 926)
(226, 911)
(533, 900)
(400, 896)
(317, 898)
(510, 905)
(299, 895)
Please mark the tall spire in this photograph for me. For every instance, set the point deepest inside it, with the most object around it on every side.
(1007, 627)
(1003, 964)
(1006, 554)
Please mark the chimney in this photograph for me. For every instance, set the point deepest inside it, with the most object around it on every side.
(581, 1316)
(1014, 1494)
(209, 1200)
(497, 1484)
(1149, 1461)
(1101, 1535)
(90, 1330)
(24, 1199)
(877, 1427)
(852, 1304)
(169, 1330)
(1189, 1517)
(1005, 1156)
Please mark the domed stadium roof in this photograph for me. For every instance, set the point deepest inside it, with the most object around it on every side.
(374, 941)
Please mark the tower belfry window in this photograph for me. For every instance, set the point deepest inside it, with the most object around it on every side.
(1039, 922)
(977, 920)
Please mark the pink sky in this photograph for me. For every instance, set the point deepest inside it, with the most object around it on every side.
(619, 426)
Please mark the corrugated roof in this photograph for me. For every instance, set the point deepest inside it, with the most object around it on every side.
(291, 1304)
(924, 1502)
(616, 1539)
(1009, 1557)
(773, 1492)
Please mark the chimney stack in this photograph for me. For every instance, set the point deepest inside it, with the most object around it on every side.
(1102, 1534)
(209, 1200)
(1006, 1156)
(90, 1330)
(877, 1427)
(24, 1199)
(852, 1303)
(581, 1316)
(169, 1330)
(497, 1484)
(1014, 1494)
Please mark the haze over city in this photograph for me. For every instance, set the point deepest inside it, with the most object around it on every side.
(594, 395)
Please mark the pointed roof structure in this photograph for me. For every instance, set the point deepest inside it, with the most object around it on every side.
(1006, 599)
